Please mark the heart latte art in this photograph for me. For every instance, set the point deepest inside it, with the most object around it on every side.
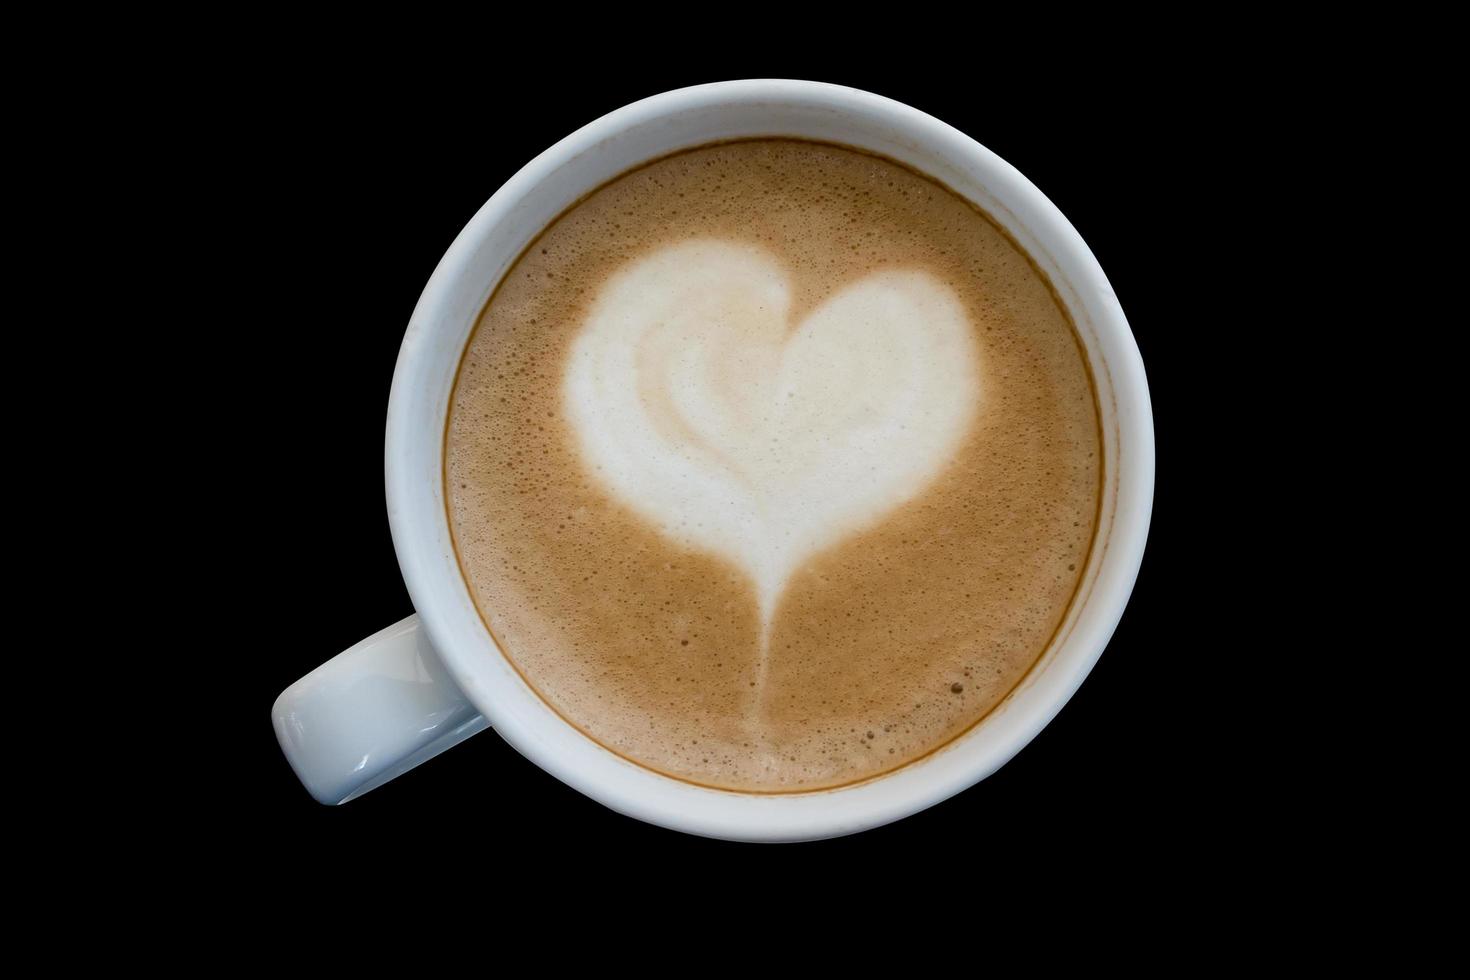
(707, 411)
(772, 465)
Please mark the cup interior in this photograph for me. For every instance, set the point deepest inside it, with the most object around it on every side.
(532, 199)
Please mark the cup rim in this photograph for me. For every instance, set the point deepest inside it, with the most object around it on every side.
(548, 740)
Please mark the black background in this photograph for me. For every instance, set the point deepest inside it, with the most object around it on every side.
(352, 191)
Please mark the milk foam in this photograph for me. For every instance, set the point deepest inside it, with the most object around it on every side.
(716, 653)
(731, 429)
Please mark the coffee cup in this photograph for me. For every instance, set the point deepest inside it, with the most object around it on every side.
(418, 687)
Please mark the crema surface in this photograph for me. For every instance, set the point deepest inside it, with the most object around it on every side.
(773, 465)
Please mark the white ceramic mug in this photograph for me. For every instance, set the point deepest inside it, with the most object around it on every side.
(413, 690)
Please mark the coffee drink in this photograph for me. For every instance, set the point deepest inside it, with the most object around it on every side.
(773, 465)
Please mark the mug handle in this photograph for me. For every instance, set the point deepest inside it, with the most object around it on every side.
(372, 713)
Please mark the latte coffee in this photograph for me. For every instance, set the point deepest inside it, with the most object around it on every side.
(773, 465)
